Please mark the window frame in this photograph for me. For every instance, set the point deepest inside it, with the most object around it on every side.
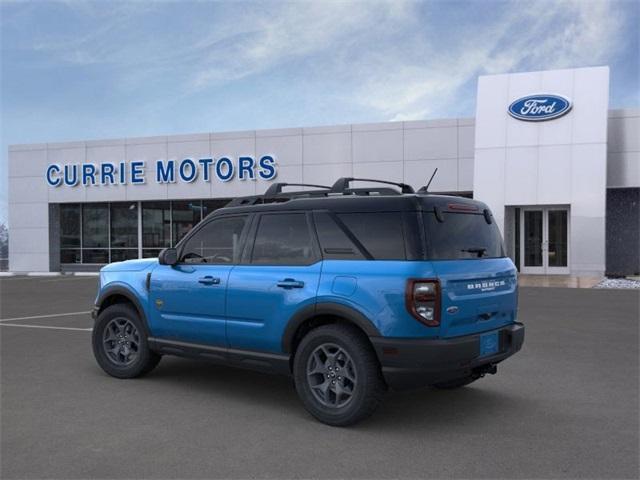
(202, 224)
(247, 254)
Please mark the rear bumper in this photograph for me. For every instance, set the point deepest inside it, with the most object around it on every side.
(412, 363)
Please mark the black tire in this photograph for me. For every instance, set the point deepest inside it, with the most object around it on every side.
(139, 359)
(456, 383)
(366, 389)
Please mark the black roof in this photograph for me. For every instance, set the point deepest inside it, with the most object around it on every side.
(356, 203)
(342, 198)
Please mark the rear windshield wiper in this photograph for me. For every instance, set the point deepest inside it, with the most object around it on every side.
(479, 251)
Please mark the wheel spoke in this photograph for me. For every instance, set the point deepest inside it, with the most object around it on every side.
(331, 375)
(121, 341)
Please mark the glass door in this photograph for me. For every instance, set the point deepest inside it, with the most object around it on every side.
(557, 241)
(533, 241)
(544, 240)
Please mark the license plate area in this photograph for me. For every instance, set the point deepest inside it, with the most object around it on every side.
(489, 344)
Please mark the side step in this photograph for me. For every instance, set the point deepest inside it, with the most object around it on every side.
(249, 359)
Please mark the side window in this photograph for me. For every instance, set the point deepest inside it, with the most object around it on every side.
(218, 242)
(283, 239)
(335, 244)
(380, 233)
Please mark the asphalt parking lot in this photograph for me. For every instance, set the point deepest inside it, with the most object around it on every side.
(566, 406)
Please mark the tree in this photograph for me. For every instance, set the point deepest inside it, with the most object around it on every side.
(4, 241)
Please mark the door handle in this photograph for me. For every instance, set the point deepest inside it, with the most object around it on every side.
(209, 280)
(290, 283)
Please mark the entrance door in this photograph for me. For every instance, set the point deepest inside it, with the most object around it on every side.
(544, 241)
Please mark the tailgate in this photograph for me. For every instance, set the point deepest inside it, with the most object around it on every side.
(477, 295)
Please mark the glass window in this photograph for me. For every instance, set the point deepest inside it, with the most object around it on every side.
(283, 240)
(70, 255)
(124, 225)
(122, 254)
(95, 255)
(218, 242)
(334, 242)
(379, 233)
(151, 252)
(186, 215)
(69, 226)
(156, 225)
(461, 236)
(95, 225)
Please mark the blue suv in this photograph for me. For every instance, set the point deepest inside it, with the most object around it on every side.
(349, 290)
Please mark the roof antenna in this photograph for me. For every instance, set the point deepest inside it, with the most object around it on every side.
(425, 189)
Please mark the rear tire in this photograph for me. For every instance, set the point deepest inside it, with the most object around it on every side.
(119, 341)
(457, 383)
(337, 375)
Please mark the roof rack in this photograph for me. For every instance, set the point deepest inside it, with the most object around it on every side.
(275, 194)
(276, 188)
(342, 185)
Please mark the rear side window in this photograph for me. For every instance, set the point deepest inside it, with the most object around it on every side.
(283, 239)
(381, 233)
(335, 243)
(461, 236)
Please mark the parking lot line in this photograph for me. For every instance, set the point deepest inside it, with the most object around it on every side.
(45, 326)
(35, 317)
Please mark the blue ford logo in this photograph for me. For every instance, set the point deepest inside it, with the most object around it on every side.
(536, 108)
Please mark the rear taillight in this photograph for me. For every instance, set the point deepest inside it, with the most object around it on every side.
(423, 301)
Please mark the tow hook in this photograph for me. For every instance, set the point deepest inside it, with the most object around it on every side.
(489, 369)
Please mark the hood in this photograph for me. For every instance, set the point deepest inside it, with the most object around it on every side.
(130, 265)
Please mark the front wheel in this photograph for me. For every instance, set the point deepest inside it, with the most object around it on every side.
(120, 343)
(337, 375)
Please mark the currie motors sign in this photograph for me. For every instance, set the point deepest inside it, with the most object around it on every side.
(188, 170)
(537, 108)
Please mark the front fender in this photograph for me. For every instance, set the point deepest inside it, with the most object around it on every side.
(137, 295)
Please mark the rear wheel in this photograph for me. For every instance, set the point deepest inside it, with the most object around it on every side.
(120, 343)
(337, 375)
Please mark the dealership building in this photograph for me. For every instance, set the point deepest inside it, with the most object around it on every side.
(558, 168)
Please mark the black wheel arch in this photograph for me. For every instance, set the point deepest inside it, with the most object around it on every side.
(119, 294)
(323, 313)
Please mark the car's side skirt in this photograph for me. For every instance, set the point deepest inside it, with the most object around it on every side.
(250, 359)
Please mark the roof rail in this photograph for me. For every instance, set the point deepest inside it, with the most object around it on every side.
(275, 194)
(276, 188)
(342, 185)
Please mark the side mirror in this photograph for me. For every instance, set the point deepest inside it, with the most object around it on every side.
(168, 256)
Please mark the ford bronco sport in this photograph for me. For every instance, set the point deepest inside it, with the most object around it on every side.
(348, 290)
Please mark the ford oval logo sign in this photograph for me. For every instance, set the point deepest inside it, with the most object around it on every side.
(536, 108)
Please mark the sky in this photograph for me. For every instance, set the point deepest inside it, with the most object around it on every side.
(74, 70)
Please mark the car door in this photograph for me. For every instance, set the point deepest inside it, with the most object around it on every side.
(188, 299)
(279, 275)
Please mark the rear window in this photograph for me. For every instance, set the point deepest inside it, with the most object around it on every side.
(461, 236)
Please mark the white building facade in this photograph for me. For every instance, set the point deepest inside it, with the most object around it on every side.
(558, 168)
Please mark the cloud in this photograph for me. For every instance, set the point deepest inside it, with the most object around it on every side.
(295, 30)
(393, 58)
(534, 36)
